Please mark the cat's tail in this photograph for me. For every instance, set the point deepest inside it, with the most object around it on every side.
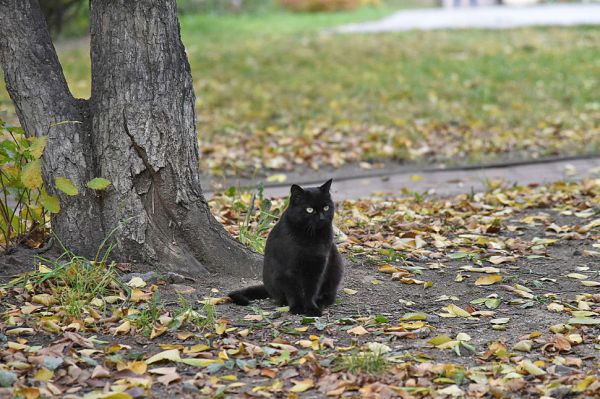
(244, 296)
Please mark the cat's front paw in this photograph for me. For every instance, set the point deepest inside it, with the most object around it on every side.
(296, 310)
(313, 311)
(325, 300)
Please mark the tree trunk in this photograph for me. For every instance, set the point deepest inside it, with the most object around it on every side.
(138, 131)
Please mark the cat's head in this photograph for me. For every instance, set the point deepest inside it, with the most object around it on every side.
(311, 208)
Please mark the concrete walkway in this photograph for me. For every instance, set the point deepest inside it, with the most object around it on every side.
(492, 17)
(447, 182)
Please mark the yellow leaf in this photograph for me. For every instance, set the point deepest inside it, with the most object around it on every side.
(452, 308)
(51, 326)
(136, 282)
(44, 269)
(49, 202)
(19, 331)
(577, 276)
(488, 280)
(531, 368)
(31, 176)
(414, 316)
(158, 331)
(183, 335)
(301, 386)
(139, 296)
(439, 340)
(487, 269)
(575, 339)
(555, 307)
(358, 330)
(37, 146)
(115, 395)
(277, 178)
(98, 183)
(589, 283)
(171, 355)
(123, 328)
(43, 374)
(29, 393)
(389, 269)
(215, 301)
(197, 348)
(523, 346)
(496, 260)
(220, 328)
(66, 186)
(139, 367)
(583, 384)
(199, 362)
(43, 299)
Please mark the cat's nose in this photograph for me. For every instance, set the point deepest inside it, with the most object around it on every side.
(321, 216)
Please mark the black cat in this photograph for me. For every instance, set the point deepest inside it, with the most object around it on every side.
(302, 267)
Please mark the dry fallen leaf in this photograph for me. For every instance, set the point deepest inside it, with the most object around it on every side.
(488, 280)
(358, 330)
(302, 386)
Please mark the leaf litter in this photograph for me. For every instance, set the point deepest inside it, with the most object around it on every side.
(518, 320)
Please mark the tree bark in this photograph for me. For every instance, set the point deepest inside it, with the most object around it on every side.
(139, 133)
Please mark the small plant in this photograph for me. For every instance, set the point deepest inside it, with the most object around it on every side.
(259, 218)
(146, 318)
(73, 282)
(24, 204)
(186, 313)
(370, 362)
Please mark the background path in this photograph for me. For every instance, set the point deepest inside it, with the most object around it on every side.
(444, 182)
(492, 17)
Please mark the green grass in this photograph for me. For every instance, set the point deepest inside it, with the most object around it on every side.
(148, 314)
(363, 362)
(274, 91)
(259, 218)
(73, 281)
(203, 318)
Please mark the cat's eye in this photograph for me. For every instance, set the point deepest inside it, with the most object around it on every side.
(310, 210)
(326, 208)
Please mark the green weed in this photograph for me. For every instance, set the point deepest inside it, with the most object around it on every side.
(146, 316)
(370, 362)
(23, 217)
(186, 314)
(258, 220)
(74, 282)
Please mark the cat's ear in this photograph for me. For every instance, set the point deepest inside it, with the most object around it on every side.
(326, 186)
(296, 190)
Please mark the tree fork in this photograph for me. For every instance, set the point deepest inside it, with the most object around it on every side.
(139, 133)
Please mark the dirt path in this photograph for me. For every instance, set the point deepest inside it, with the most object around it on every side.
(352, 182)
(495, 17)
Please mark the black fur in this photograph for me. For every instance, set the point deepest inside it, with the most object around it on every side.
(302, 267)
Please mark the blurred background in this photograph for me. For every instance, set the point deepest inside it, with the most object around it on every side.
(280, 91)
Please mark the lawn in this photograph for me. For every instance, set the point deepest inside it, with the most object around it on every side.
(275, 91)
